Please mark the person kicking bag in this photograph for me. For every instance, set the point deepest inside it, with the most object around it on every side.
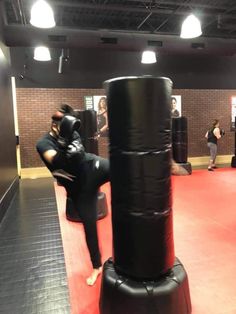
(80, 173)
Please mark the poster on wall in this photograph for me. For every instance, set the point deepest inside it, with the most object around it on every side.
(99, 104)
(175, 106)
(88, 101)
(233, 112)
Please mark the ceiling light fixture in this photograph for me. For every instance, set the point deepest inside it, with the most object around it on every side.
(148, 57)
(191, 27)
(42, 15)
(42, 54)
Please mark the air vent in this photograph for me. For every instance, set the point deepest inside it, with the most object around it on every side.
(109, 40)
(57, 38)
(155, 43)
(198, 45)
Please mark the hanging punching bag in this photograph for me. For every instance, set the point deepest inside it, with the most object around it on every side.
(140, 165)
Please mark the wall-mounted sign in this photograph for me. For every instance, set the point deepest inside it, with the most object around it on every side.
(88, 101)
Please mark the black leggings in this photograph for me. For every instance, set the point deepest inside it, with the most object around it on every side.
(84, 193)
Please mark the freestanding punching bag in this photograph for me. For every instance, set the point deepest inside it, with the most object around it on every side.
(143, 276)
(233, 160)
(88, 131)
(180, 142)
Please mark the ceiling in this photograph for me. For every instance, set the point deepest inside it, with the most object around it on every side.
(125, 25)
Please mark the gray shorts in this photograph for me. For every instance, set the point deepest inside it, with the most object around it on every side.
(213, 150)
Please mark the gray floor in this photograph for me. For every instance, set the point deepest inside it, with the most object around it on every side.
(32, 266)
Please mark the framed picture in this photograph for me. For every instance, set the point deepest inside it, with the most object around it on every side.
(176, 108)
(99, 104)
(233, 112)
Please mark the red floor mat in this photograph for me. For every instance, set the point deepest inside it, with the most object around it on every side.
(205, 242)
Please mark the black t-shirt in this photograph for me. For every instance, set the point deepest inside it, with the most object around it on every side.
(48, 142)
(175, 113)
(44, 144)
(211, 138)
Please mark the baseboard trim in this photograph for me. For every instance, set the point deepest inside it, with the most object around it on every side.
(35, 173)
(43, 172)
(204, 160)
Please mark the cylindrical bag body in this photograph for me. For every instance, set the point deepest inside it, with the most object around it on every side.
(88, 130)
(180, 139)
(91, 145)
(140, 163)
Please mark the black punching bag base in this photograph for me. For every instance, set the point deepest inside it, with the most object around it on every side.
(168, 295)
(233, 162)
(187, 166)
(102, 209)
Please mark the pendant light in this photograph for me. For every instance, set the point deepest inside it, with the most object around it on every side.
(42, 54)
(42, 15)
(148, 57)
(191, 27)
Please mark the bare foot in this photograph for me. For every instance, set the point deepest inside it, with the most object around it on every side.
(93, 277)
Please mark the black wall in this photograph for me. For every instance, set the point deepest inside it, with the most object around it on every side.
(8, 165)
(88, 68)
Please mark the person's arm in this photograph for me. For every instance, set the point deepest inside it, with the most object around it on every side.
(70, 140)
(69, 148)
(217, 133)
(49, 155)
(206, 135)
(59, 160)
(47, 150)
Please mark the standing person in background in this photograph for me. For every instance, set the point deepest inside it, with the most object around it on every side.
(102, 117)
(174, 110)
(79, 172)
(212, 136)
